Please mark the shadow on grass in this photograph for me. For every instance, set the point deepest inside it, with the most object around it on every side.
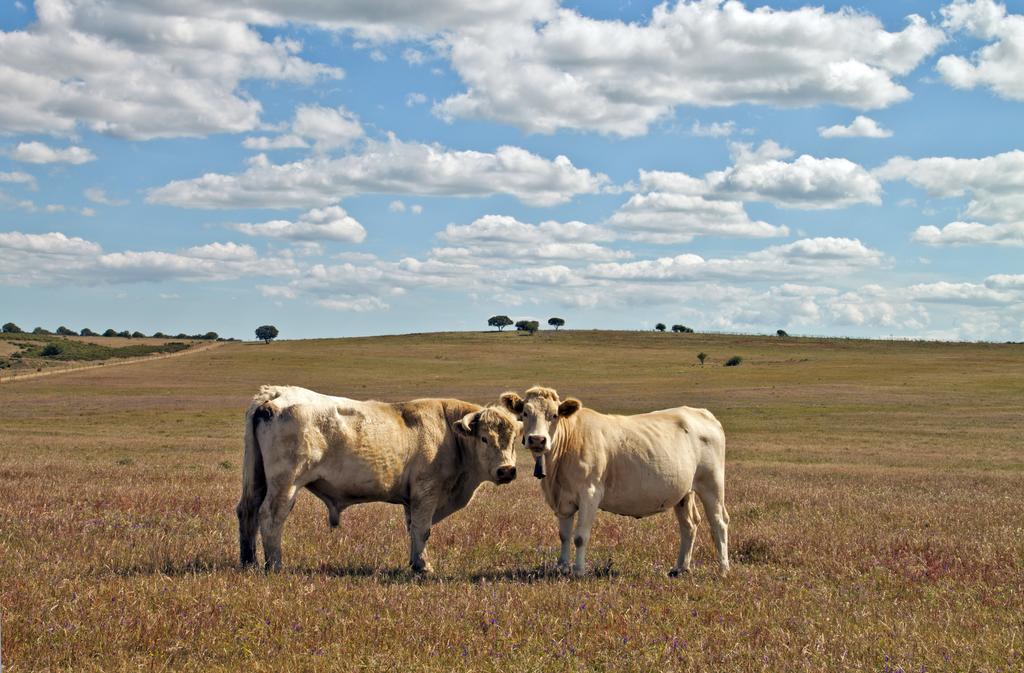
(545, 572)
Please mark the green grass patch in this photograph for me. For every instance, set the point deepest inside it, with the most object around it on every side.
(67, 350)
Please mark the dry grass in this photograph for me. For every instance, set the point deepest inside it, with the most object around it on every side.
(875, 492)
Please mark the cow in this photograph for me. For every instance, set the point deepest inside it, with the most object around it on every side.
(428, 455)
(631, 465)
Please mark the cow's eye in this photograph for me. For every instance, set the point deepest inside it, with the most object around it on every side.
(483, 439)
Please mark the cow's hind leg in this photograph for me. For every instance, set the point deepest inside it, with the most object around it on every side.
(275, 509)
(248, 511)
(711, 489)
(689, 518)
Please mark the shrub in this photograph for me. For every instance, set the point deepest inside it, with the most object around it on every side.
(734, 361)
(125, 333)
(110, 333)
(50, 350)
(702, 356)
(160, 335)
(64, 331)
(87, 332)
(41, 330)
(138, 335)
(11, 328)
(210, 336)
(781, 333)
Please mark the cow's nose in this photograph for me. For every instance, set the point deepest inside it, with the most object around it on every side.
(536, 442)
(506, 474)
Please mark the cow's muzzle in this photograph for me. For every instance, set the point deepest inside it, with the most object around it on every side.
(505, 474)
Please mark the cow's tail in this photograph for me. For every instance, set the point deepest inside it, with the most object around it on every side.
(254, 480)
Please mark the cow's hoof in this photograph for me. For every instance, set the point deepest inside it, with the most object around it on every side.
(678, 572)
(563, 568)
(723, 571)
(577, 571)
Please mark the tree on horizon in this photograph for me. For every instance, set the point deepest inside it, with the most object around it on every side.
(499, 321)
(556, 323)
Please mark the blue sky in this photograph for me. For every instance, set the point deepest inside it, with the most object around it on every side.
(346, 169)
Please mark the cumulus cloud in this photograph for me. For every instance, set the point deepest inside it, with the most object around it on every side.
(713, 130)
(996, 188)
(500, 239)
(328, 128)
(40, 153)
(387, 167)
(662, 217)
(972, 233)
(998, 65)
(18, 177)
(961, 293)
(613, 77)
(68, 69)
(288, 141)
(805, 183)
(319, 224)
(97, 195)
(37, 259)
(860, 127)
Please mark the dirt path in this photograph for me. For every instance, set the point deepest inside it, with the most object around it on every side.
(12, 378)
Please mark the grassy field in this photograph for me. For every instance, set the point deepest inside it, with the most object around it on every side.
(876, 491)
(24, 353)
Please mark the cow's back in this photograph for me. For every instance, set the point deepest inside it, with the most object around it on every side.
(352, 450)
(647, 462)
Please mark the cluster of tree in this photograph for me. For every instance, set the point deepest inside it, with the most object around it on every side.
(11, 328)
(531, 326)
(680, 329)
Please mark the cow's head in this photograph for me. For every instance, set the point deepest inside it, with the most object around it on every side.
(540, 413)
(492, 432)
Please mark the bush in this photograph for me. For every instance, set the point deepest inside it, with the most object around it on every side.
(781, 333)
(50, 350)
(87, 332)
(210, 336)
(138, 335)
(41, 330)
(11, 328)
(125, 333)
(110, 333)
(160, 335)
(64, 331)
(734, 361)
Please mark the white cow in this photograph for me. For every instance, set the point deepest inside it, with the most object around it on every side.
(427, 455)
(632, 465)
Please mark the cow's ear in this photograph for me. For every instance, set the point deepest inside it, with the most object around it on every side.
(512, 402)
(467, 424)
(569, 406)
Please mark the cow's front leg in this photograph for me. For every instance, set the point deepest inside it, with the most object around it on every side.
(587, 512)
(565, 536)
(420, 516)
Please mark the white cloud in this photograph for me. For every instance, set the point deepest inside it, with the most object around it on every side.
(660, 217)
(97, 195)
(972, 233)
(389, 167)
(961, 293)
(18, 177)
(998, 65)
(39, 259)
(283, 142)
(860, 127)
(415, 98)
(813, 257)
(351, 303)
(996, 188)
(40, 153)
(319, 224)
(413, 56)
(1006, 281)
(713, 130)
(378, 56)
(87, 212)
(618, 78)
(805, 183)
(416, 209)
(500, 239)
(71, 68)
(53, 208)
(396, 206)
(329, 128)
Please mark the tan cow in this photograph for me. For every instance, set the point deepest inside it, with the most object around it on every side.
(427, 455)
(632, 465)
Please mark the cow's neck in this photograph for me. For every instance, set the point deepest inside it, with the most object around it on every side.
(566, 439)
